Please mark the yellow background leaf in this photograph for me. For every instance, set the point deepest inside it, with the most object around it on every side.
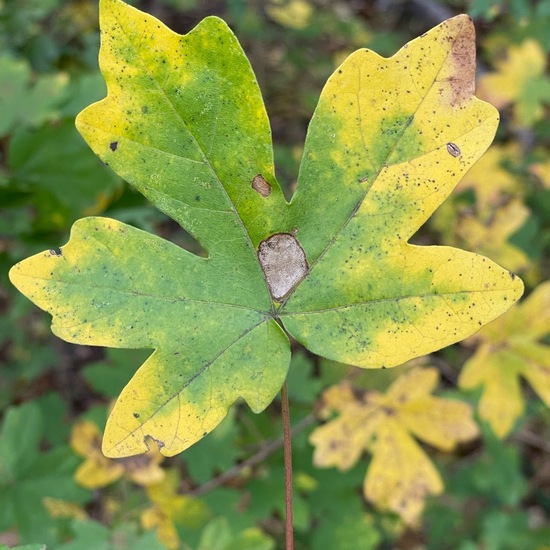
(294, 14)
(542, 171)
(509, 348)
(491, 237)
(99, 471)
(400, 475)
(516, 76)
(490, 180)
(58, 508)
(170, 509)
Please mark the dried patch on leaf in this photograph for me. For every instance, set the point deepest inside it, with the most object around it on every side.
(284, 263)
(260, 185)
(464, 57)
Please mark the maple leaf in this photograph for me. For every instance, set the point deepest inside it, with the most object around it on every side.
(98, 470)
(185, 124)
(509, 349)
(400, 475)
(520, 79)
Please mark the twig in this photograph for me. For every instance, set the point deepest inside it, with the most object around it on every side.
(263, 453)
(432, 11)
(533, 440)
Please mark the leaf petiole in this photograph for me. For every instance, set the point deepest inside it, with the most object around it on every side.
(288, 467)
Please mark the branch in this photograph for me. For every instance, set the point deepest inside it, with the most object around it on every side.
(263, 453)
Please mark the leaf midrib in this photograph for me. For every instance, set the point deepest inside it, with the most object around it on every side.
(190, 380)
(441, 295)
(199, 147)
(139, 293)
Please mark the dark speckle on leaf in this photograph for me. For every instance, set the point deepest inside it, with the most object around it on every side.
(113, 145)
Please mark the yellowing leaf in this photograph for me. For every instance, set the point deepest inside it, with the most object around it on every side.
(99, 471)
(294, 14)
(542, 171)
(400, 476)
(58, 508)
(492, 237)
(520, 79)
(170, 509)
(184, 123)
(492, 182)
(509, 349)
(155, 518)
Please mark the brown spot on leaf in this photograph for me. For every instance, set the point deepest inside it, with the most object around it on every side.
(463, 54)
(284, 263)
(260, 185)
(113, 145)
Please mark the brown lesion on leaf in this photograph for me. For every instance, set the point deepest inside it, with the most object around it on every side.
(284, 263)
(147, 440)
(463, 53)
(260, 185)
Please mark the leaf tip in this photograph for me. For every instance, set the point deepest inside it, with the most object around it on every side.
(518, 288)
(463, 56)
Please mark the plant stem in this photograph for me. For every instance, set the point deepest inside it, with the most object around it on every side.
(287, 437)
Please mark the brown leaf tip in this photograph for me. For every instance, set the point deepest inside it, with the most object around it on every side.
(283, 262)
(463, 54)
(260, 185)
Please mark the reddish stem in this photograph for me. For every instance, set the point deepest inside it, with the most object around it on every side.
(288, 467)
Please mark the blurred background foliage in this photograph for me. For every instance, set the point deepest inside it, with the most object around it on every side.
(227, 491)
